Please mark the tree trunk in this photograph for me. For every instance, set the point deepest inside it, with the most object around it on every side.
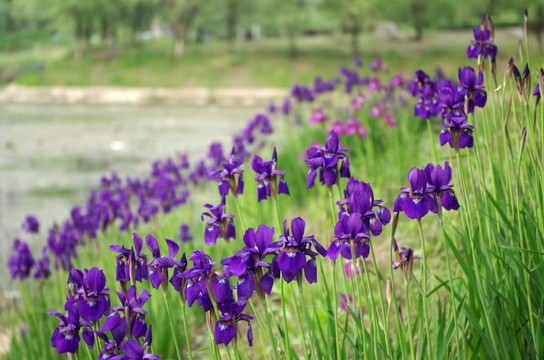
(179, 38)
(231, 21)
(78, 38)
(293, 49)
(355, 30)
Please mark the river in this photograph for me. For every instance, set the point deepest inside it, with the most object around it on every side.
(52, 155)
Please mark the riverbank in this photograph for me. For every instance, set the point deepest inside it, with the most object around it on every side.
(111, 95)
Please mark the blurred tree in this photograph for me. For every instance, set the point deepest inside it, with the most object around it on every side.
(352, 16)
(182, 15)
(137, 15)
(108, 16)
(291, 17)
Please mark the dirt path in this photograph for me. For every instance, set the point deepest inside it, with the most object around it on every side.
(139, 95)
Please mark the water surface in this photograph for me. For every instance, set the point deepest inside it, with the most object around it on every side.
(52, 155)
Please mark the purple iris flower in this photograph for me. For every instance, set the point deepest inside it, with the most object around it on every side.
(428, 102)
(439, 178)
(197, 280)
(118, 328)
(349, 231)
(230, 177)
(271, 108)
(326, 159)
(94, 300)
(360, 216)
(184, 234)
(417, 199)
(482, 46)
(22, 261)
(226, 328)
(302, 93)
(131, 307)
(158, 267)
(456, 131)
(404, 259)
(43, 267)
(377, 64)
(31, 224)
(215, 153)
(249, 264)
(286, 107)
(66, 337)
(131, 265)
(219, 225)
(473, 85)
(134, 351)
(178, 281)
(292, 257)
(271, 181)
(357, 61)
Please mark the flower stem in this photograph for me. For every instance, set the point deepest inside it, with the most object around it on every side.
(286, 329)
(307, 350)
(335, 310)
(386, 323)
(186, 329)
(236, 202)
(178, 353)
(425, 312)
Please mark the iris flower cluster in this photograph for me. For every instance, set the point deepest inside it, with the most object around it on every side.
(88, 301)
(326, 159)
(360, 217)
(428, 190)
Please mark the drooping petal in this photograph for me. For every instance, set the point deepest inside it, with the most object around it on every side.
(211, 233)
(334, 250)
(282, 187)
(156, 277)
(415, 208)
(449, 201)
(266, 283)
(224, 333)
(310, 271)
(311, 178)
(383, 214)
(291, 261)
(245, 287)
(221, 289)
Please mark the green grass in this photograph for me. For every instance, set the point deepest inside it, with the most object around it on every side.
(263, 63)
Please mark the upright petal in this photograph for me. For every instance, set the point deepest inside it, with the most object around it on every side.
(173, 247)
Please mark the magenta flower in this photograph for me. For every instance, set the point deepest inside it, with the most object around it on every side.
(318, 116)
